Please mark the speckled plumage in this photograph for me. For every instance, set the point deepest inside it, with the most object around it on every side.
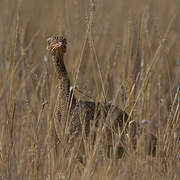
(73, 117)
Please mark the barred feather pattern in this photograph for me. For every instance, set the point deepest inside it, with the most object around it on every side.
(73, 118)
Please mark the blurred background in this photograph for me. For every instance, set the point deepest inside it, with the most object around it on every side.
(124, 51)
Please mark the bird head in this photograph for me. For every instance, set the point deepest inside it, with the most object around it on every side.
(56, 46)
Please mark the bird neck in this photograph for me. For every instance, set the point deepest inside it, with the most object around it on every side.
(61, 70)
(64, 87)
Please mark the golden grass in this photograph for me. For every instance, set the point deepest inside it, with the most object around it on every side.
(127, 52)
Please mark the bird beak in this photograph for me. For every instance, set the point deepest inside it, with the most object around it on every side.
(56, 45)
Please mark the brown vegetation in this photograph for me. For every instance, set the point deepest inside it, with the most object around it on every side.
(125, 52)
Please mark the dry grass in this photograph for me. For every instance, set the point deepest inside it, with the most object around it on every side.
(127, 52)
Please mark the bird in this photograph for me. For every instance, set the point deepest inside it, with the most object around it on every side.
(76, 118)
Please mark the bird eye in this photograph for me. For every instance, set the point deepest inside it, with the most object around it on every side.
(56, 37)
(63, 41)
